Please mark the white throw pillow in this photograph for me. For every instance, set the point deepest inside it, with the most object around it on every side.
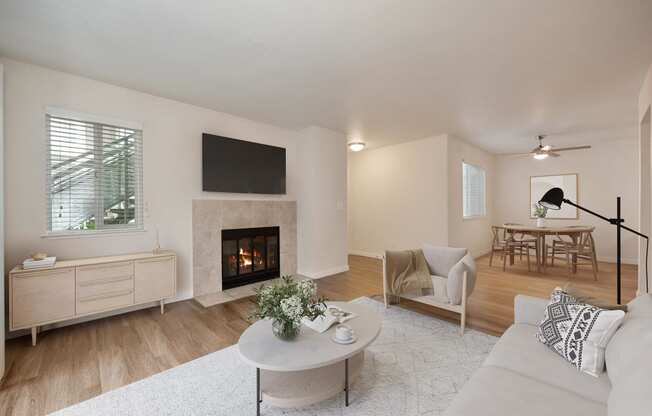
(577, 331)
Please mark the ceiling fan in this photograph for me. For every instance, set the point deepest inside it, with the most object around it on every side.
(543, 151)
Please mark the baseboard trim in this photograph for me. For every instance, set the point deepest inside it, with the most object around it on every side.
(482, 253)
(324, 273)
(613, 260)
(380, 256)
(486, 252)
(365, 254)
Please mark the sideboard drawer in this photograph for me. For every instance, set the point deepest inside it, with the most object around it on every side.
(104, 271)
(107, 300)
(41, 297)
(102, 287)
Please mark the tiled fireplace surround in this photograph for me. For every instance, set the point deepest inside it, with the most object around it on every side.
(209, 217)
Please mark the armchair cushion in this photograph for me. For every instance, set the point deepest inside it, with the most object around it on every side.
(456, 279)
(451, 262)
(441, 259)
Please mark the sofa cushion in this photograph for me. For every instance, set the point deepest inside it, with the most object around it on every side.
(441, 259)
(494, 391)
(439, 288)
(630, 346)
(631, 396)
(640, 306)
(629, 361)
(518, 350)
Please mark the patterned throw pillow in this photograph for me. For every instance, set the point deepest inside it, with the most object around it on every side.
(577, 331)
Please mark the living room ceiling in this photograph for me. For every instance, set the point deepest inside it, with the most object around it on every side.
(493, 72)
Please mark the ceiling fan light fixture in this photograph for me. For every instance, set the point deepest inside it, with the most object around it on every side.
(356, 146)
(540, 156)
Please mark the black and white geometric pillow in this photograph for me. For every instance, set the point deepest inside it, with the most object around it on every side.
(578, 332)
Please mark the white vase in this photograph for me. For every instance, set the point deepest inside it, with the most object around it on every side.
(541, 222)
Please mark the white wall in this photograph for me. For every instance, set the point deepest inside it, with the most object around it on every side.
(172, 163)
(321, 203)
(645, 170)
(609, 169)
(473, 233)
(398, 196)
(2, 231)
(403, 195)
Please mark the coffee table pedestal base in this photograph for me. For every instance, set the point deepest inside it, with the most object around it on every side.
(303, 388)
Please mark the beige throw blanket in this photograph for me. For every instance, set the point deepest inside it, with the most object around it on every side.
(406, 271)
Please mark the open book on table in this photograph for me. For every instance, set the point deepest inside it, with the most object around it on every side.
(333, 315)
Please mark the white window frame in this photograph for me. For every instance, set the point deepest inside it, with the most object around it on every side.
(116, 229)
(484, 193)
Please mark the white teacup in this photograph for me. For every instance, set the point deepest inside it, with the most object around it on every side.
(344, 332)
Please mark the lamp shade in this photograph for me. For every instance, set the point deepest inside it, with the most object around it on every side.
(552, 199)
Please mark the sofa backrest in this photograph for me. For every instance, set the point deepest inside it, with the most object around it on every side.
(629, 361)
(441, 259)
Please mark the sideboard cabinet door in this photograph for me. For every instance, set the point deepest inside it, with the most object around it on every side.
(155, 279)
(42, 297)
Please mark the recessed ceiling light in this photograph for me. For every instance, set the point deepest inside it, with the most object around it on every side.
(356, 146)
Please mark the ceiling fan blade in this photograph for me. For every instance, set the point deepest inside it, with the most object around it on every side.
(564, 149)
(553, 154)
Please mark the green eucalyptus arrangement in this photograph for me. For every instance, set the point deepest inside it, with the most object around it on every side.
(286, 303)
(540, 211)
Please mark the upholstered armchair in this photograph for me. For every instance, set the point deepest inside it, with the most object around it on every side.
(453, 274)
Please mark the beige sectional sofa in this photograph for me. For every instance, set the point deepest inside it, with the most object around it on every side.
(523, 377)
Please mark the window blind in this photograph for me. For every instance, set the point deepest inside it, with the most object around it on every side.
(94, 176)
(473, 191)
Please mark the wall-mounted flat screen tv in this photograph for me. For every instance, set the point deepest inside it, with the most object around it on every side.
(231, 165)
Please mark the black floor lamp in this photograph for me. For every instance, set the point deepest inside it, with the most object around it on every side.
(553, 200)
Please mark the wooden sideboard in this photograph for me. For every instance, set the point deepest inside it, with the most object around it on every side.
(76, 288)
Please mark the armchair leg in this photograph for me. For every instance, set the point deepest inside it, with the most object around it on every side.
(463, 317)
(463, 322)
(385, 295)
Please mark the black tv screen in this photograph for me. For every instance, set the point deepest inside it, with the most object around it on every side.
(231, 165)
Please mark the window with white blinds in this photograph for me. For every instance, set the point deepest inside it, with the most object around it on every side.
(473, 191)
(94, 176)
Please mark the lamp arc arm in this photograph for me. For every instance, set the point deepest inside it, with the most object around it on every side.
(610, 220)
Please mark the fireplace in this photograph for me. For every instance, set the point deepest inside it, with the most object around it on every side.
(249, 255)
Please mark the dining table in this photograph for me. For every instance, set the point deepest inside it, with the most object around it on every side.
(540, 234)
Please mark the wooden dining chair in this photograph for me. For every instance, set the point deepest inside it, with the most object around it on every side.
(526, 242)
(556, 249)
(577, 252)
(503, 242)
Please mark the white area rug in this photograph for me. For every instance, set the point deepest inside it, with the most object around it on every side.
(415, 367)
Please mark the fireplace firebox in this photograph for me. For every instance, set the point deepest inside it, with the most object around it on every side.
(249, 255)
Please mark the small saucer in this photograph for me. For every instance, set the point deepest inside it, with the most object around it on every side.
(348, 341)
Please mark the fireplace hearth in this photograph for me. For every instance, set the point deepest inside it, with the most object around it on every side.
(250, 255)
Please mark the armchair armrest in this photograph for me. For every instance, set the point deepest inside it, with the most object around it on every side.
(528, 309)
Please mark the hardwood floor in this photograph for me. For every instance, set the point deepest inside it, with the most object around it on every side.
(72, 364)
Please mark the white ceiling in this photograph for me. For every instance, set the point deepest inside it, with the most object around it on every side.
(493, 72)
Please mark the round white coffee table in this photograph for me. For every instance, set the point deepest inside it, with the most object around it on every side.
(312, 367)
